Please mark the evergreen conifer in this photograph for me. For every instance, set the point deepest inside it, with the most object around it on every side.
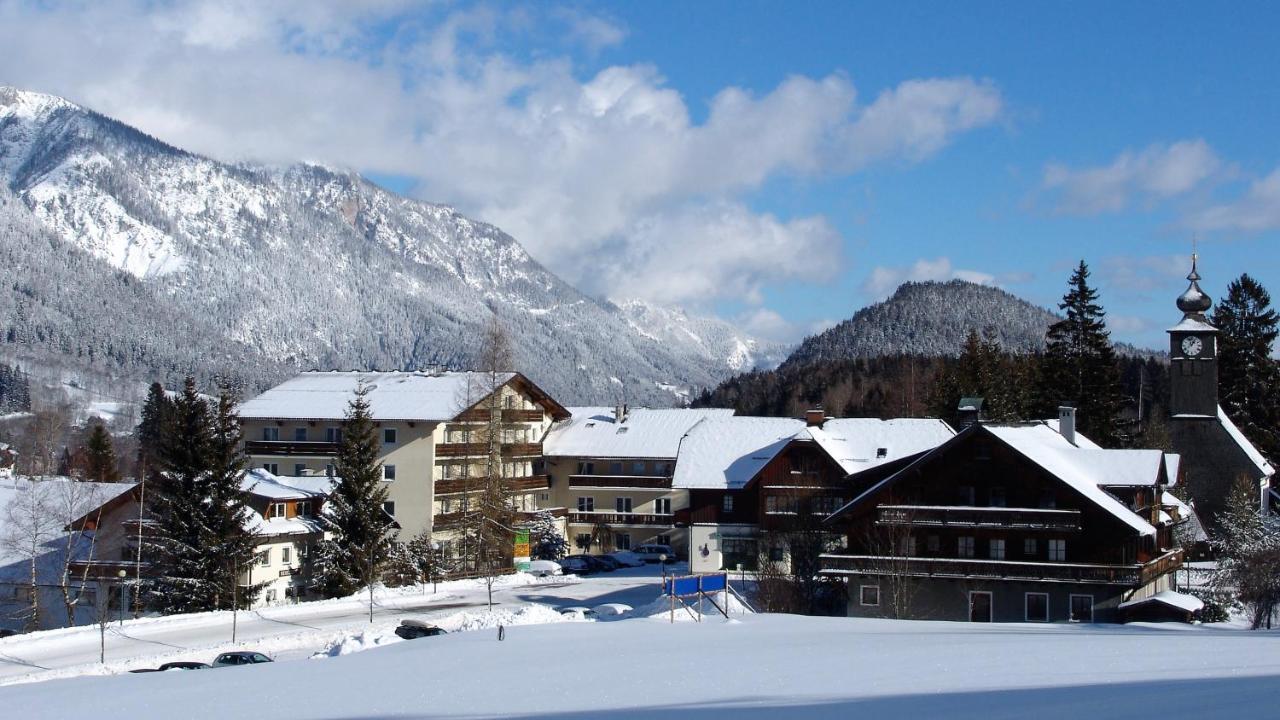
(1249, 378)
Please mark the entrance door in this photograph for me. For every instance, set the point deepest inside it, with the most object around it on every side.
(980, 607)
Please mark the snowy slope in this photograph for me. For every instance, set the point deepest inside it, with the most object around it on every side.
(302, 267)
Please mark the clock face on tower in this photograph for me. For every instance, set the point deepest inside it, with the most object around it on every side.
(1191, 346)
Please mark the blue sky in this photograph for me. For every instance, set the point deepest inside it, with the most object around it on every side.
(780, 165)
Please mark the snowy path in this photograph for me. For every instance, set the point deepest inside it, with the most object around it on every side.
(290, 632)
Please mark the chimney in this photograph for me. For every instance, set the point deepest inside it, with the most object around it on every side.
(1067, 423)
(815, 417)
(620, 413)
(969, 411)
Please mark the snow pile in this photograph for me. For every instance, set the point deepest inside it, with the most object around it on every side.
(660, 609)
(358, 642)
(613, 610)
(532, 614)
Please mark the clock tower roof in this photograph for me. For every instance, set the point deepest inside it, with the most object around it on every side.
(1194, 302)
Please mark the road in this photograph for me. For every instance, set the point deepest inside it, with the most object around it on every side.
(288, 632)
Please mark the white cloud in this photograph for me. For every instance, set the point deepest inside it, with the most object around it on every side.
(1257, 211)
(884, 280)
(1155, 173)
(1128, 274)
(606, 179)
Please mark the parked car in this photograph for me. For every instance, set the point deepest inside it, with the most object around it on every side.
(6, 632)
(184, 665)
(653, 553)
(608, 560)
(142, 670)
(544, 568)
(414, 629)
(240, 657)
(626, 558)
(593, 562)
(575, 566)
(613, 610)
(586, 612)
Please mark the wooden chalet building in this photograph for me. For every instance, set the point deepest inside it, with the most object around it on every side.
(1013, 523)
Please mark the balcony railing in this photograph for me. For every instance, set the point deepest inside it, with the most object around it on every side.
(453, 486)
(644, 482)
(482, 449)
(968, 568)
(979, 517)
(107, 569)
(515, 416)
(300, 448)
(607, 518)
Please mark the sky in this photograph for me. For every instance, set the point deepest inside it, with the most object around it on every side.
(779, 165)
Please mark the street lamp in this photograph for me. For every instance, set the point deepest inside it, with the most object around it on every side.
(435, 565)
(662, 559)
(122, 575)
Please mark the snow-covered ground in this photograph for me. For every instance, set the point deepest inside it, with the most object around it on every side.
(756, 666)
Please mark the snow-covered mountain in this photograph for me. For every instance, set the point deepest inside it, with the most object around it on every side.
(139, 258)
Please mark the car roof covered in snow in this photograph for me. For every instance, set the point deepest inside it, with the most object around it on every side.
(643, 433)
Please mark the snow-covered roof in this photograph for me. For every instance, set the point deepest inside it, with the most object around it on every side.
(1080, 468)
(1081, 440)
(263, 527)
(1181, 601)
(432, 397)
(645, 433)
(726, 453)
(1119, 468)
(274, 487)
(1193, 325)
(1250, 451)
(1172, 463)
(14, 566)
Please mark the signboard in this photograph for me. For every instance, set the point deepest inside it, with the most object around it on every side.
(680, 585)
(714, 583)
(522, 544)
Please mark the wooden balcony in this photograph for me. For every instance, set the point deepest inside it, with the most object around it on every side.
(593, 518)
(510, 416)
(291, 448)
(936, 516)
(453, 486)
(625, 482)
(447, 521)
(107, 569)
(976, 569)
(482, 449)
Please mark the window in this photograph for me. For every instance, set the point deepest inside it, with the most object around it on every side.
(388, 472)
(271, 597)
(637, 468)
(586, 504)
(87, 597)
(509, 402)
(964, 495)
(996, 549)
(869, 595)
(586, 468)
(333, 434)
(300, 434)
(934, 543)
(276, 510)
(389, 508)
(997, 497)
(304, 508)
(779, 505)
(582, 541)
(270, 433)
(615, 468)
(273, 468)
(622, 541)
(286, 555)
(299, 469)
(1037, 607)
(882, 453)
(664, 540)
(622, 504)
(776, 553)
(389, 436)
(908, 546)
(1029, 547)
(664, 469)
(965, 547)
(1082, 608)
(544, 497)
(662, 506)
(328, 470)
(728, 504)
(264, 557)
(1057, 550)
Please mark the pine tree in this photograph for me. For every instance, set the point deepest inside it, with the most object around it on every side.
(1248, 552)
(1249, 379)
(157, 417)
(360, 543)
(100, 456)
(1079, 364)
(229, 544)
(544, 534)
(179, 479)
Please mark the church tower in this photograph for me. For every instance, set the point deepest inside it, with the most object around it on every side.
(1193, 355)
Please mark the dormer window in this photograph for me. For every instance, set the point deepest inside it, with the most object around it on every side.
(276, 510)
(882, 453)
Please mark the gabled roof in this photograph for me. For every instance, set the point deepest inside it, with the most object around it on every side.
(1247, 447)
(727, 453)
(408, 396)
(1172, 466)
(645, 432)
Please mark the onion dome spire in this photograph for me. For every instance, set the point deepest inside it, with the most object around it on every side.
(1194, 301)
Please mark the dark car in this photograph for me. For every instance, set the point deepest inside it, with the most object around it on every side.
(575, 566)
(612, 562)
(414, 629)
(594, 564)
(184, 665)
(6, 632)
(142, 670)
(240, 657)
